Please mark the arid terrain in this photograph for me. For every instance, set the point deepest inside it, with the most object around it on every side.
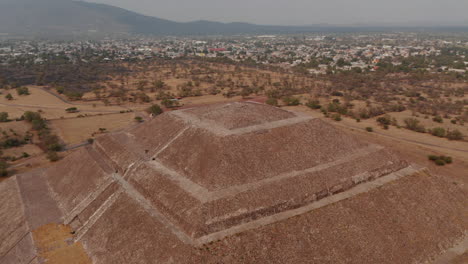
(400, 113)
(401, 107)
(207, 183)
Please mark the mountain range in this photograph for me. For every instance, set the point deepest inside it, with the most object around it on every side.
(68, 17)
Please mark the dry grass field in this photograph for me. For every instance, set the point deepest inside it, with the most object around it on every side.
(53, 245)
(77, 130)
(30, 149)
(50, 106)
(21, 127)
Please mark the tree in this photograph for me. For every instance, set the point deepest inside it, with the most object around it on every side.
(9, 97)
(170, 103)
(22, 91)
(413, 124)
(455, 135)
(71, 110)
(60, 89)
(314, 104)
(438, 132)
(291, 101)
(3, 117)
(155, 110)
(53, 156)
(38, 124)
(385, 120)
(30, 116)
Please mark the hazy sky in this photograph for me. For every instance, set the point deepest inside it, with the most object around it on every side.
(296, 12)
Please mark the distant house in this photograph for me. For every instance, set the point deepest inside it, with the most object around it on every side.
(217, 49)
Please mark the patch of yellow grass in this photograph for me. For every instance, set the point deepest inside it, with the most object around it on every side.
(55, 245)
(77, 130)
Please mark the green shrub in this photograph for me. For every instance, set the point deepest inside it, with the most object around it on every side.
(60, 89)
(455, 135)
(53, 156)
(38, 124)
(313, 104)
(337, 93)
(384, 120)
(369, 129)
(12, 143)
(155, 110)
(337, 117)
(336, 107)
(438, 119)
(71, 110)
(72, 95)
(438, 132)
(22, 91)
(170, 103)
(413, 124)
(447, 159)
(440, 160)
(4, 117)
(3, 168)
(272, 101)
(30, 116)
(291, 101)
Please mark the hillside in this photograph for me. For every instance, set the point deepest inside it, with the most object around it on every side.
(54, 17)
(47, 18)
(66, 17)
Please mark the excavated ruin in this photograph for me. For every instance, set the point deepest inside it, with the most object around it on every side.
(235, 183)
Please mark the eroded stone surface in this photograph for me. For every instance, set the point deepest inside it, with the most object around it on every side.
(243, 183)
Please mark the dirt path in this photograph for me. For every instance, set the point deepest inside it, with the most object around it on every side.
(59, 108)
(56, 95)
(73, 103)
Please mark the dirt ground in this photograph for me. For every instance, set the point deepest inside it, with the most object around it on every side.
(427, 121)
(51, 106)
(77, 130)
(55, 246)
(456, 148)
(418, 152)
(20, 127)
(16, 152)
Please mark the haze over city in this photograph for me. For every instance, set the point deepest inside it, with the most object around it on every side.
(305, 12)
